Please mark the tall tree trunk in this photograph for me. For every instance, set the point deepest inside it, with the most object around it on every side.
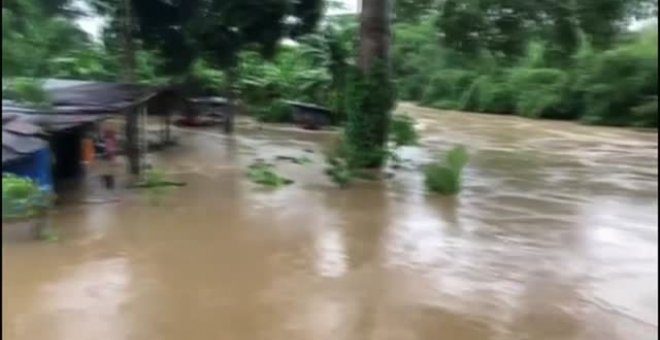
(128, 76)
(375, 33)
(370, 93)
(232, 79)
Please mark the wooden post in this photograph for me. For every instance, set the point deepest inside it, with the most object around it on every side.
(168, 121)
(144, 137)
(232, 79)
(132, 148)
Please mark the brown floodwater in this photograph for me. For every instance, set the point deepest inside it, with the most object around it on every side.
(554, 237)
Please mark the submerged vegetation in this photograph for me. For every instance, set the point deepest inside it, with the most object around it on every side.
(157, 184)
(264, 174)
(446, 177)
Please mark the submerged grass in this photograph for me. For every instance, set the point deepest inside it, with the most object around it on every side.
(264, 174)
(157, 184)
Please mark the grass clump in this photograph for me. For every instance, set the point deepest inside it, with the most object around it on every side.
(446, 178)
(402, 130)
(264, 174)
(157, 184)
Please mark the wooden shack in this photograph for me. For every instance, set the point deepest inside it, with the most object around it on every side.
(132, 102)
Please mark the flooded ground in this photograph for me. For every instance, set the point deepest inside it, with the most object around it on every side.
(554, 238)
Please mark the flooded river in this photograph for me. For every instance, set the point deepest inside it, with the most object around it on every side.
(553, 238)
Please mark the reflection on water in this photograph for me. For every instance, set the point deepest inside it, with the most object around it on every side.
(554, 237)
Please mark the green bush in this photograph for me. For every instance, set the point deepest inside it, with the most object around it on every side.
(412, 87)
(446, 178)
(488, 94)
(618, 81)
(541, 92)
(613, 87)
(277, 112)
(446, 86)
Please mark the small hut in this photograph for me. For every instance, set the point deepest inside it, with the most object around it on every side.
(25, 151)
(132, 102)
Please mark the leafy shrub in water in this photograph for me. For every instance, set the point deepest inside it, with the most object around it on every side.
(446, 178)
(264, 174)
(22, 198)
(402, 130)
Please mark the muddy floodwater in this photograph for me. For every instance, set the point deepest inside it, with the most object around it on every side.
(554, 237)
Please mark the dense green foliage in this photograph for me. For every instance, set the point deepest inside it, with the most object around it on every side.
(27, 91)
(446, 177)
(617, 86)
(22, 198)
(312, 70)
(40, 40)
